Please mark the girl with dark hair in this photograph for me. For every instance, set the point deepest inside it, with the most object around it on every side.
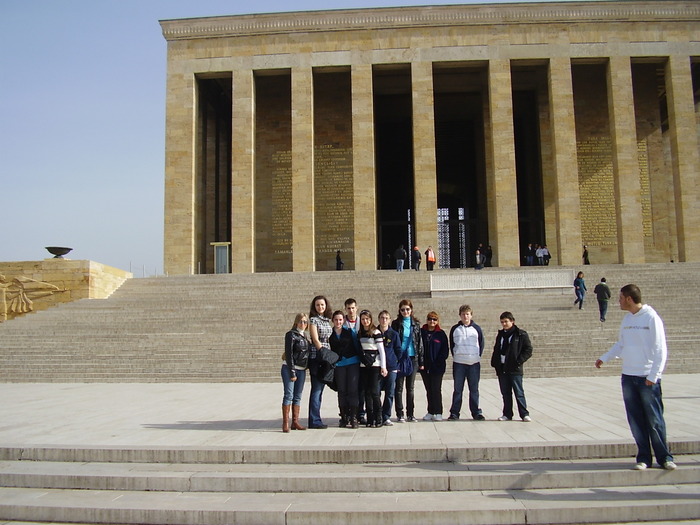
(320, 330)
(295, 362)
(374, 365)
(343, 342)
(408, 328)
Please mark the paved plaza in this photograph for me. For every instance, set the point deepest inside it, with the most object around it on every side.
(570, 410)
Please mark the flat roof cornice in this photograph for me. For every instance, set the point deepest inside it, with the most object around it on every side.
(430, 16)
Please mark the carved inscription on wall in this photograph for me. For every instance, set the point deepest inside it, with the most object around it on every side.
(645, 187)
(596, 186)
(333, 200)
(282, 202)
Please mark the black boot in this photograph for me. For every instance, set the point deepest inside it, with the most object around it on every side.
(343, 418)
(354, 423)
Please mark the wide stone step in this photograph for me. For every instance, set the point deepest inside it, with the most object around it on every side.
(530, 506)
(365, 477)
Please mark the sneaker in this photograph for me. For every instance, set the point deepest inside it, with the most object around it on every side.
(428, 417)
(388, 423)
(640, 466)
(437, 417)
(452, 418)
(479, 417)
(412, 419)
(670, 465)
(401, 419)
(527, 419)
(504, 418)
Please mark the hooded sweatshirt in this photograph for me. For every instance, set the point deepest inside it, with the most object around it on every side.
(466, 343)
(641, 345)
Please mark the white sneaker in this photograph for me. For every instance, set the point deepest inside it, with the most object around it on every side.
(640, 466)
(428, 417)
(401, 419)
(527, 419)
(437, 417)
(503, 418)
(670, 465)
(388, 423)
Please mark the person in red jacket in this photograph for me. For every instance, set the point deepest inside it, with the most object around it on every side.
(436, 349)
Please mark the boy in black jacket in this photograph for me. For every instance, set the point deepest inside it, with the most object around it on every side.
(511, 350)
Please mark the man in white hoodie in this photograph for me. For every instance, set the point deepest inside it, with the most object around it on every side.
(642, 347)
(467, 346)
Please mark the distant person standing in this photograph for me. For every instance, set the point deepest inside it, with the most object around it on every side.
(642, 347)
(489, 256)
(400, 256)
(511, 350)
(339, 264)
(602, 293)
(416, 258)
(585, 255)
(430, 258)
(580, 290)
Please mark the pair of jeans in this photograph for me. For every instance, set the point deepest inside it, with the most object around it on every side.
(315, 400)
(472, 373)
(347, 379)
(369, 378)
(388, 386)
(410, 382)
(603, 307)
(511, 384)
(292, 389)
(433, 391)
(580, 294)
(399, 265)
(645, 415)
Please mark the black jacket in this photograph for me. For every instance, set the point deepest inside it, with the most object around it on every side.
(518, 350)
(397, 325)
(296, 350)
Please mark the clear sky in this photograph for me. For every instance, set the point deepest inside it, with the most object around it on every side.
(82, 122)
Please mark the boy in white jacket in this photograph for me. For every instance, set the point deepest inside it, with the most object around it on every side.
(642, 347)
(466, 346)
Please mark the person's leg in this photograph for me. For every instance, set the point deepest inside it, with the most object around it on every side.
(653, 406)
(411, 389)
(287, 397)
(459, 372)
(315, 400)
(353, 381)
(506, 388)
(299, 387)
(436, 393)
(428, 393)
(375, 397)
(398, 396)
(603, 310)
(473, 374)
(632, 396)
(517, 382)
(388, 385)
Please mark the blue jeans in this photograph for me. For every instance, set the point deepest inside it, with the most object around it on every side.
(580, 294)
(388, 385)
(645, 414)
(512, 384)
(315, 400)
(399, 265)
(292, 389)
(472, 373)
(603, 307)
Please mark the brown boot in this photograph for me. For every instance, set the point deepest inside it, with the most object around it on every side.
(295, 418)
(285, 418)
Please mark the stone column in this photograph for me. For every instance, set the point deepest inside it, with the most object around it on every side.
(303, 230)
(685, 157)
(563, 125)
(243, 173)
(424, 172)
(179, 253)
(628, 193)
(364, 185)
(501, 178)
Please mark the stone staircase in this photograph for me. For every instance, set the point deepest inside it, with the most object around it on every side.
(229, 328)
(305, 486)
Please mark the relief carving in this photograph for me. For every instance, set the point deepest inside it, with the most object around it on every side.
(17, 295)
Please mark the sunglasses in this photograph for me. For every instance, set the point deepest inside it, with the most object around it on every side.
(405, 310)
(432, 319)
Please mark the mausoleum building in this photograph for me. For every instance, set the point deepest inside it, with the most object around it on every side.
(291, 136)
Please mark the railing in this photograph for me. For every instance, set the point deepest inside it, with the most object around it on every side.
(447, 282)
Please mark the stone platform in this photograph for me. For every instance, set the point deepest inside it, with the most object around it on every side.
(214, 453)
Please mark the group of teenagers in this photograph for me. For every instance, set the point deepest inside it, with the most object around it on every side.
(361, 358)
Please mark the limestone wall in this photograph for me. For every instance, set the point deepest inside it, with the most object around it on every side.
(30, 286)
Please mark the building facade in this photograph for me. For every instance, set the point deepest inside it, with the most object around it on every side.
(295, 135)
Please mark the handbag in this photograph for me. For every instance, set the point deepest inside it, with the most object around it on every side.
(405, 365)
(368, 358)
